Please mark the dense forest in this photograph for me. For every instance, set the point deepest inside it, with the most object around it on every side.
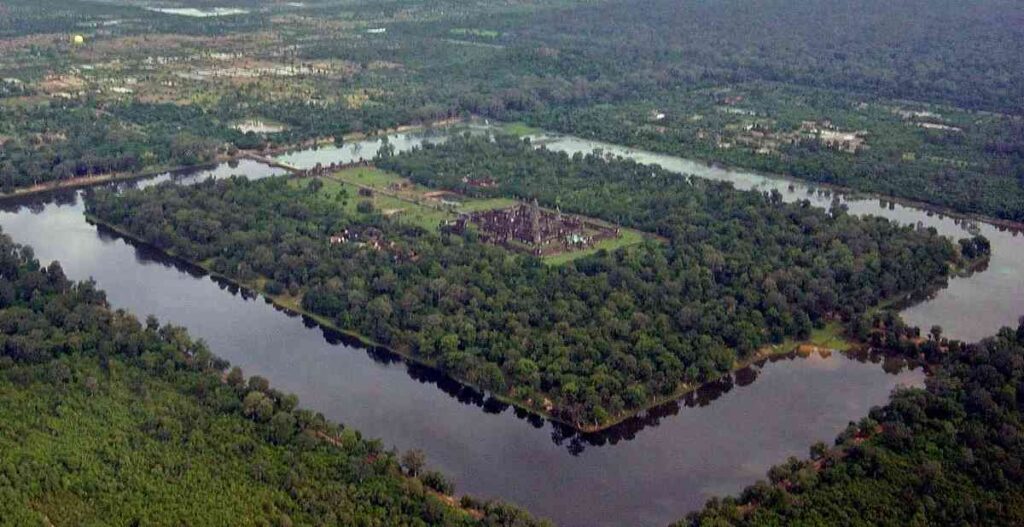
(949, 454)
(108, 420)
(713, 72)
(970, 164)
(57, 142)
(589, 341)
(922, 82)
(904, 50)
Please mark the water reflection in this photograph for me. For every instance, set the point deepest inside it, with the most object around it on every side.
(969, 308)
(361, 150)
(648, 471)
(703, 396)
(573, 441)
(247, 168)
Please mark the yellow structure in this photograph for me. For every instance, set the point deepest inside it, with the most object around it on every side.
(78, 40)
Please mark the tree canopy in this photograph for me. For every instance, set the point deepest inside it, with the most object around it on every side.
(108, 420)
(589, 341)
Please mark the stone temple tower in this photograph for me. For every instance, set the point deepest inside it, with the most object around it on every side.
(535, 222)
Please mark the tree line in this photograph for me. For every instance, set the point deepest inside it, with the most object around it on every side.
(589, 341)
(108, 419)
(58, 141)
(951, 453)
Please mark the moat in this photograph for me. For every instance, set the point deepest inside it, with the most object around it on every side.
(649, 471)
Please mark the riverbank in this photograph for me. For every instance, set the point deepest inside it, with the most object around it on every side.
(524, 130)
(262, 156)
(716, 437)
(359, 136)
(99, 179)
(829, 338)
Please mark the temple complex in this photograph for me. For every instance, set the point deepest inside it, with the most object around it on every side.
(531, 228)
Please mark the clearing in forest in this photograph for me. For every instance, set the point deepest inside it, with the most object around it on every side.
(522, 227)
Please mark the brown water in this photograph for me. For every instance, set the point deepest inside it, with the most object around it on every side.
(650, 471)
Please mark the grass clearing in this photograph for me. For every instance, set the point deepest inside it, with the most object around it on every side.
(370, 177)
(408, 202)
(393, 192)
(477, 205)
(346, 196)
(520, 129)
(627, 237)
(831, 336)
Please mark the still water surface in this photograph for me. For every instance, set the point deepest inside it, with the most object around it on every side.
(968, 309)
(648, 472)
(360, 150)
(242, 167)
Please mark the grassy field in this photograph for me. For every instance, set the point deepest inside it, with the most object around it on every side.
(520, 129)
(476, 205)
(370, 177)
(346, 195)
(393, 192)
(829, 337)
(628, 237)
(408, 202)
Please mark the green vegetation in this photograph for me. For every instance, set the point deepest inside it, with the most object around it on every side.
(949, 454)
(519, 128)
(869, 95)
(58, 142)
(627, 237)
(411, 203)
(397, 197)
(831, 336)
(480, 204)
(368, 176)
(346, 195)
(588, 341)
(106, 420)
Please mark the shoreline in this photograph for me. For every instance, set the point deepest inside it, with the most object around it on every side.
(284, 302)
(281, 302)
(260, 156)
(99, 179)
(257, 155)
(928, 208)
(356, 136)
